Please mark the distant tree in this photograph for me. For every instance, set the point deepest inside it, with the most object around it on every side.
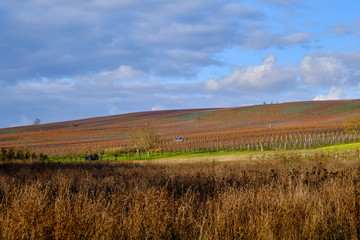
(352, 125)
(115, 151)
(37, 121)
(100, 152)
(143, 140)
(90, 153)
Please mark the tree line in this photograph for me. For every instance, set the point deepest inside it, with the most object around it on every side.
(21, 153)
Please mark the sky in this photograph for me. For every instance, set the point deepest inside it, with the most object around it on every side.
(64, 60)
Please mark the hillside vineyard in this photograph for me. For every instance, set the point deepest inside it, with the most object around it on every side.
(297, 125)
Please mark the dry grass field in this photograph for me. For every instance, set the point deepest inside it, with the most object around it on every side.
(286, 198)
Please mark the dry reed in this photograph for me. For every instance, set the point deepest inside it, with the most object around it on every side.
(316, 199)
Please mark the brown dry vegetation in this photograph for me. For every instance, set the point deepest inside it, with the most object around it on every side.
(300, 199)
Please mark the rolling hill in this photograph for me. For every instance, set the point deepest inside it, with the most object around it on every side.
(237, 128)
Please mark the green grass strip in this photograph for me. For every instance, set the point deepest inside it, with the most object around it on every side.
(301, 108)
(345, 108)
(5, 131)
(341, 146)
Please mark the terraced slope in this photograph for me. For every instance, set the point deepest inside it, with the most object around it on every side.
(215, 127)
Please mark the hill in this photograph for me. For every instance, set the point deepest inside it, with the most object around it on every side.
(283, 125)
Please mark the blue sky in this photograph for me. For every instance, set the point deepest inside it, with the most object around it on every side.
(64, 60)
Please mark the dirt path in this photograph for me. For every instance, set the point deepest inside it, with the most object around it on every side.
(235, 157)
(220, 158)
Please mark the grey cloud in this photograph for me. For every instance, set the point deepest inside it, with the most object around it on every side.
(351, 60)
(348, 66)
(340, 29)
(262, 40)
(296, 38)
(322, 70)
(353, 78)
(98, 95)
(67, 38)
(68, 99)
(351, 28)
(125, 89)
(259, 40)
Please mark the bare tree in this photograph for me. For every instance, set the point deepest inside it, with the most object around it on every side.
(37, 121)
(143, 140)
(115, 151)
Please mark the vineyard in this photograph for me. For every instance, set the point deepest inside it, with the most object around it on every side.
(297, 125)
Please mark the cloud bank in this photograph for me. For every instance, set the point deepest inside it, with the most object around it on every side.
(64, 60)
(335, 93)
(264, 77)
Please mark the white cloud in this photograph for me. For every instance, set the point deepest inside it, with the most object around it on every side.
(122, 73)
(350, 60)
(322, 70)
(296, 38)
(211, 84)
(158, 107)
(344, 65)
(113, 110)
(24, 120)
(335, 93)
(267, 76)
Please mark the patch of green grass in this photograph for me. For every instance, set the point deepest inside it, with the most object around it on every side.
(301, 108)
(341, 146)
(210, 154)
(166, 155)
(159, 156)
(345, 108)
(194, 155)
(190, 116)
(6, 131)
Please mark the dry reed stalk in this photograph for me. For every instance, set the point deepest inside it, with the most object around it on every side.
(315, 199)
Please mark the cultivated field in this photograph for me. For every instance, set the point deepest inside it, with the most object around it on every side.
(298, 125)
